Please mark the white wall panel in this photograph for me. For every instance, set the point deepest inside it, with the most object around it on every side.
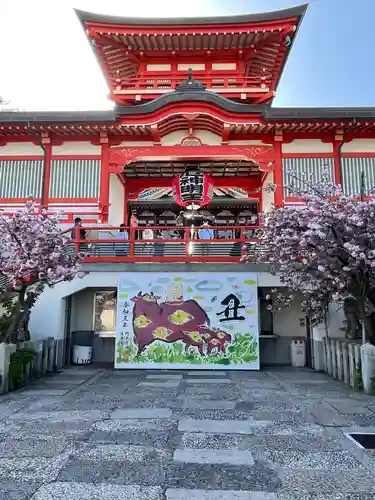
(307, 146)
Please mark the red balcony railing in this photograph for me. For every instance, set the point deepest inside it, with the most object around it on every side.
(65, 218)
(166, 244)
(217, 83)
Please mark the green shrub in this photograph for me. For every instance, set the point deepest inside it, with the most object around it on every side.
(358, 376)
(8, 307)
(17, 366)
(244, 349)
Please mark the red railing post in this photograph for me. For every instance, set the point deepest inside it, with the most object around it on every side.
(242, 243)
(104, 180)
(187, 240)
(77, 235)
(131, 242)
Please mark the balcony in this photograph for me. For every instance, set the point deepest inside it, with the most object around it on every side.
(172, 244)
(150, 87)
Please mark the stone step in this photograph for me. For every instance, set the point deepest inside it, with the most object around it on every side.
(185, 494)
(205, 456)
(216, 426)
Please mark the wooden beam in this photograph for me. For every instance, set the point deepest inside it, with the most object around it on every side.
(107, 40)
(278, 177)
(337, 159)
(264, 97)
(47, 146)
(226, 133)
(155, 134)
(104, 181)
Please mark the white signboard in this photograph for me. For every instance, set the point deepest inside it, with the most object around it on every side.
(187, 320)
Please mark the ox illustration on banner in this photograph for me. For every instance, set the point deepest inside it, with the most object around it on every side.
(187, 320)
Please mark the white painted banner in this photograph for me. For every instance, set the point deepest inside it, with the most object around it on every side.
(154, 193)
(187, 320)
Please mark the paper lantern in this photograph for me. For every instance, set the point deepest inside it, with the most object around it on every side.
(193, 189)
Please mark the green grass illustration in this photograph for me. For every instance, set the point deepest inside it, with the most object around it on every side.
(244, 349)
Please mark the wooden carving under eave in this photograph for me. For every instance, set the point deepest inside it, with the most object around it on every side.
(191, 140)
(119, 157)
(255, 151)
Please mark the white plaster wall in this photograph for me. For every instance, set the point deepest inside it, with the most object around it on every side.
(307, 146)
(116, 199)
(158, 67)
(268, 280)
(319, 332)
(286, 322)
(11, 207)
(223, 66)
(332, 326)
(138, 144)
(193, 66)
(255, 142)
(335, 321)
(76, 148)
(20, 149)
(47, 316)
(359, 146)
(208, 137)
(267, 197)
(175, 138)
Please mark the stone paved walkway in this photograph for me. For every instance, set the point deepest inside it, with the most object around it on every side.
(91, 434)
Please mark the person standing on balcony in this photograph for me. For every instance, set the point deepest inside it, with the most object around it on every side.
(180, 223)
(148, 234)
(82, 232)
(159, 246)
(78, 234)
(122, 248)
(205, 233)
(134, 224)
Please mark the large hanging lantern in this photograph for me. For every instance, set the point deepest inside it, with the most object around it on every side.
(193, 189)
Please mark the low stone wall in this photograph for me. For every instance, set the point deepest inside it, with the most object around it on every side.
(50, 357)
(339, 358)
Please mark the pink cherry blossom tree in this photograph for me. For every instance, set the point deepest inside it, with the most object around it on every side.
(33, 255)
(323, 250)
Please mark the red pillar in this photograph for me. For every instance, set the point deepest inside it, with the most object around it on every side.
(104, 182)
(47, 146)
(126, 202)
(336, 160)
(278, 173)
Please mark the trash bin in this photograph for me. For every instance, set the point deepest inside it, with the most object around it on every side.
(82, 347)
(298, 353)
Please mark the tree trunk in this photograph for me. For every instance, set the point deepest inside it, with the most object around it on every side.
(353, 324)
(369, 324)
(19, 314)
(24, 324)
(18, 329)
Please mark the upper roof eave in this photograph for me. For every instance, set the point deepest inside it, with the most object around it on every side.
(267, 112)
(292, 12)
(204, 97)
(57, 117)
(321, 113)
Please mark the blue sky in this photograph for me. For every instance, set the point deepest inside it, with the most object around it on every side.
(46, 63)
